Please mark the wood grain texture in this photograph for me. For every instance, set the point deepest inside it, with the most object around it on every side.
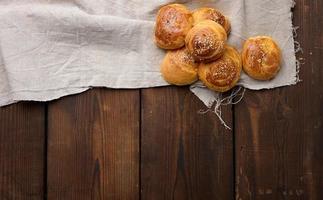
(22, 134)
(93, 146)
(279, 133)
(184, 155)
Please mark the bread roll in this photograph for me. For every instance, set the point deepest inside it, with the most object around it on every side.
(179, 68)
(261, 58)
(172, 25)
(206, 41)
(222, 74)
(202, 14)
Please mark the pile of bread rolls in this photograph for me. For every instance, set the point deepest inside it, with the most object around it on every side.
(197, 49)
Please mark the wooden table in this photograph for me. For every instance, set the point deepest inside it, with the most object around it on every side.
(151, 143)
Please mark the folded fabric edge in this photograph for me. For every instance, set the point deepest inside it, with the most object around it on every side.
(40, 96)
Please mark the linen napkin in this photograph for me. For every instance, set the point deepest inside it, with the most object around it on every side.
(54, 48)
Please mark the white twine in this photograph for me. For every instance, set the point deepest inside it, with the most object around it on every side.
(298, 49)
(225, 101)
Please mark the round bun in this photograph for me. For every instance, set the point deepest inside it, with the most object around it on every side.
(179, 68)
(172, 25)
(222, 74)
(261, 58)
(202, 14)
(206, 41)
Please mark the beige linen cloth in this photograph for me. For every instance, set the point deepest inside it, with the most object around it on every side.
(54, 48)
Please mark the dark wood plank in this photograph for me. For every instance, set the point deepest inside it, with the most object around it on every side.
(93, 146)
(279, 133)
(184, 155)
(22, 133)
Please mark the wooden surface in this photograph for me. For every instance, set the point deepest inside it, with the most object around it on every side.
(152, 144)
(184, 155)
(22, 151)
(93, 146)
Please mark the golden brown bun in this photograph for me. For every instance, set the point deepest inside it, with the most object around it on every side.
(202, 14)
(222, 74)
(172, 25)
(179, 68)
(206, 41)
(261, 58)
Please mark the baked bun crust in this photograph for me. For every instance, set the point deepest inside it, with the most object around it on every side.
(172, 25)
(179, 68)
(202, 14)
(261, 58)
(206, 41)
(224, 73)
